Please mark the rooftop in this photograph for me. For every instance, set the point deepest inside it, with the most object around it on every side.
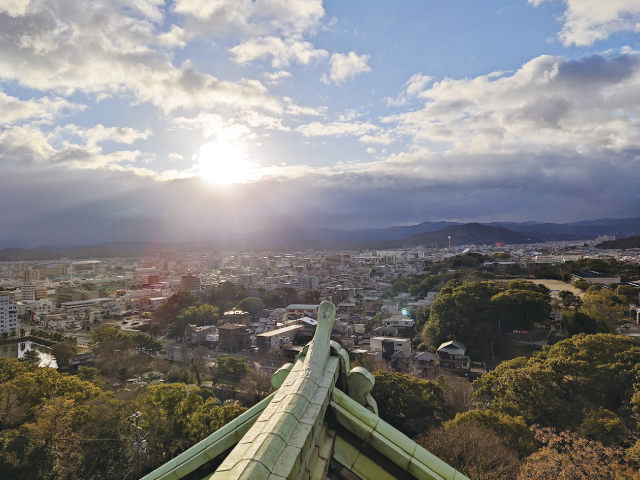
(322, 422)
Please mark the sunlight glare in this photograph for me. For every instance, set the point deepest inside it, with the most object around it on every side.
(225, 163)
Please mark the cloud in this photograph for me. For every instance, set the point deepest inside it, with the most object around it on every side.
(297, 110)
(336, 129)
(346, 67)
(241, 127)
(413, 87)
(43, 109)
(587, 21)
(175, 157)
(253, 18)
(276, 77)
(550, 104)
(282, 51)
(98, 48)
(14, 8)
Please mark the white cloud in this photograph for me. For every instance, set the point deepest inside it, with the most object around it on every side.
(549, 104)
(98, 47)
(126, 135)
(336, 129)
(413, 87)
(587, 21)
(371, 150)
(42, 110)
(346, 67)
(293, 109)
(14, 8)
(175, 157)
(214, 125)
(282, 51)
(254, 18)
(276, 77)
(175, 37)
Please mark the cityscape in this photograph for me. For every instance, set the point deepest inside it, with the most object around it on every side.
(309, 240)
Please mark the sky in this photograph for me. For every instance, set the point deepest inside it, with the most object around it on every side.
(192, 120)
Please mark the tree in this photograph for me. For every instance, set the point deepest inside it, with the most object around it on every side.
(581, 284)
(568, 299)
(147, 344)
(376, 321)
(62, 352)
(407, 403)
(197, 361)
(311, 297)
(210, 418)
(473, 450)
(604, 305)
(198, 315)
(577, 322)
(253, 305)
(562, 384)
(32, 357)
(255, 386)
(226, 366)
(627, 293)
(521, 308)
(566, 456)
(514, 431)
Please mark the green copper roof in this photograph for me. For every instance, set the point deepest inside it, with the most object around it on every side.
(321, 419)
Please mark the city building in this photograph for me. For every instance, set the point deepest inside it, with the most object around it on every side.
(275, 339)
(234, 337)
(592, 277)
(8, 315)
(301, 309)
(190, 283)
(237, 317)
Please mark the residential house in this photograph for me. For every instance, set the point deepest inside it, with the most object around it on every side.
(453, 355)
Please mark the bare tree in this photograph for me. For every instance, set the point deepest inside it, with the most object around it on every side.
(198, 361)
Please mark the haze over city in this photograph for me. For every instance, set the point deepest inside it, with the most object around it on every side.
(181, 120)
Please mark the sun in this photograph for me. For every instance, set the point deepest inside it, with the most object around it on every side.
(225, 163)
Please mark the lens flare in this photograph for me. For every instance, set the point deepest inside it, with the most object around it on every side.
(226, 163)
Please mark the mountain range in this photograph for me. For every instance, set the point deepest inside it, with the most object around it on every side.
(280, 237)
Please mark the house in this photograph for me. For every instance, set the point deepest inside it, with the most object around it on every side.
(426, 360)
(401, 359)
(404, 324)
(196, 335)
(296, 310)
(236, 317)
(389, 346)
(234, 337)
(275, 339)
(83, 358)
(321, 422)
(453, 355)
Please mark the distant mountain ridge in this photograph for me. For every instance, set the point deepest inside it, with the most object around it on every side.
(282, 236)
(467, 234)
(620, 243)
(95, 251)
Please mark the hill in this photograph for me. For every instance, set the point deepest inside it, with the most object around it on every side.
(95, 251)
(628, 242)
(468, 234)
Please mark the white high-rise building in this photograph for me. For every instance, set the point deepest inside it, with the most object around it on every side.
(8, 315)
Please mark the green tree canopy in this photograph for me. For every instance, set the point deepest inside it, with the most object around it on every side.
(559, 386)
(253, 305)
(407, 403)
